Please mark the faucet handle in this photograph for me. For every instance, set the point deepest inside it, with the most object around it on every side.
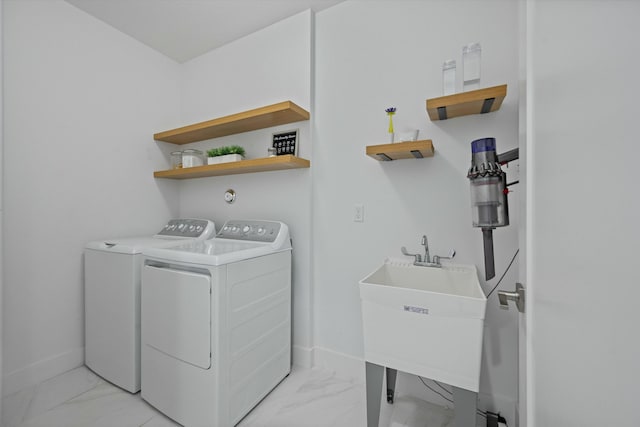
(437, 258)
(418, 258)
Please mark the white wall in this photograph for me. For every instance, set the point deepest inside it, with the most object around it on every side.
(584, 279)
(1, 187)
(269, 66)
(82, 101)
(376, 54)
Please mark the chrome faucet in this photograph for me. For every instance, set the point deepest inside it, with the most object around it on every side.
(425, 243)
(425, 261)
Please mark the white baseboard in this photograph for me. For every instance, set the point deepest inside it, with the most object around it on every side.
(41, 371)
(343, 365)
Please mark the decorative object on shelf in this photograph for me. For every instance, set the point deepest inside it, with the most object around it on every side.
(390, 112)
(191, 158)
(285, 142)
(410, 135)
(449, 77)
(402, 150)
(479, 101)
(226, 158)
(471, 67)
(176, 159)
(226, 154)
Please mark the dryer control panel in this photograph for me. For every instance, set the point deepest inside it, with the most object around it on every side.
(255, 231)
(186, 228)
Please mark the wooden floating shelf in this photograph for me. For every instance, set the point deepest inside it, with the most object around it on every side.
(259, 118)
(265, 164)
(401, 150)
(479, 101)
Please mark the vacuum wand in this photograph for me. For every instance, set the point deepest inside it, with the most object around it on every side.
(489, 264)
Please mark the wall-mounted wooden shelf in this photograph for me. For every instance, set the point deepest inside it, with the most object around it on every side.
(265, 164)
(259, 118)
(401, 150)
(479, 101)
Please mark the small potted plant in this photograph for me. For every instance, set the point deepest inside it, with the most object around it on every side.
(225, 154)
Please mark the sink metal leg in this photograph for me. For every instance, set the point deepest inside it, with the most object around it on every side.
(465, 403)
(391, 383)
(374, 375)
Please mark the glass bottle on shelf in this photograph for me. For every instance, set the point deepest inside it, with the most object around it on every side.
(449, 77)
(471, 67)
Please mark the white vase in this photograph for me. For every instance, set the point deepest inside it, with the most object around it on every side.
(224, 159)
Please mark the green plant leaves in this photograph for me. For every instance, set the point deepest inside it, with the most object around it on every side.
(221, 151)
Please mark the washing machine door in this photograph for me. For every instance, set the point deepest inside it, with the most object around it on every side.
(176, 314)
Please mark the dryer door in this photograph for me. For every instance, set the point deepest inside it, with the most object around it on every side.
(176, 314)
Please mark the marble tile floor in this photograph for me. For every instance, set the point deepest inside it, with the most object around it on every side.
(306, 398)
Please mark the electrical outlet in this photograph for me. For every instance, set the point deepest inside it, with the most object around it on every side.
(492, 419)
(358, 213)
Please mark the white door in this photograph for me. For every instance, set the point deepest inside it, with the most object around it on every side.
(583, 213)
(525, 188)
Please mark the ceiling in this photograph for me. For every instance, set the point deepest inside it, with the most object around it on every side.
(184, 29)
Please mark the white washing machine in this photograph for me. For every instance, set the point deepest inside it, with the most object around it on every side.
(112, 275)
(216, 323)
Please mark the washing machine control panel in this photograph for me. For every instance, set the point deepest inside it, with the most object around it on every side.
(255, 231)
(186, 227)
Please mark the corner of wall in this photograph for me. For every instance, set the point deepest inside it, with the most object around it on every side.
(1, 186)
(42, 370)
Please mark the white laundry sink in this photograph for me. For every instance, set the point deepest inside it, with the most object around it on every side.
(425, 321)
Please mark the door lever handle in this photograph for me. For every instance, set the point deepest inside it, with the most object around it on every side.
(517, 297)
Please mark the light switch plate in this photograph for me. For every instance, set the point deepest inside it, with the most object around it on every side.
(358, 213)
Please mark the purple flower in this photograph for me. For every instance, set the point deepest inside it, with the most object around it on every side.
(390, 110)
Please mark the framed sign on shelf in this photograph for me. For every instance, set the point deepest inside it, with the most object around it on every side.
(284, 143)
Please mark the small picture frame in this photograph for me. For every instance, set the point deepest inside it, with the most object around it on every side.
(284, 143)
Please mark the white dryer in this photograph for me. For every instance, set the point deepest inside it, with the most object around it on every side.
(112, 275)
(216, 323)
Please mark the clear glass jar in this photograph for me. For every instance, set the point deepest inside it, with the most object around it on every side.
(471, 67)
(191, 158)
(449, 77)
(176, 159)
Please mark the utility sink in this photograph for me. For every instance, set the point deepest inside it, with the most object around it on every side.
(426, 321)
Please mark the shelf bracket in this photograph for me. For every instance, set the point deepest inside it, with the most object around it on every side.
(486, 105)
(442, 113)
(401, 150)
(479, 101)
